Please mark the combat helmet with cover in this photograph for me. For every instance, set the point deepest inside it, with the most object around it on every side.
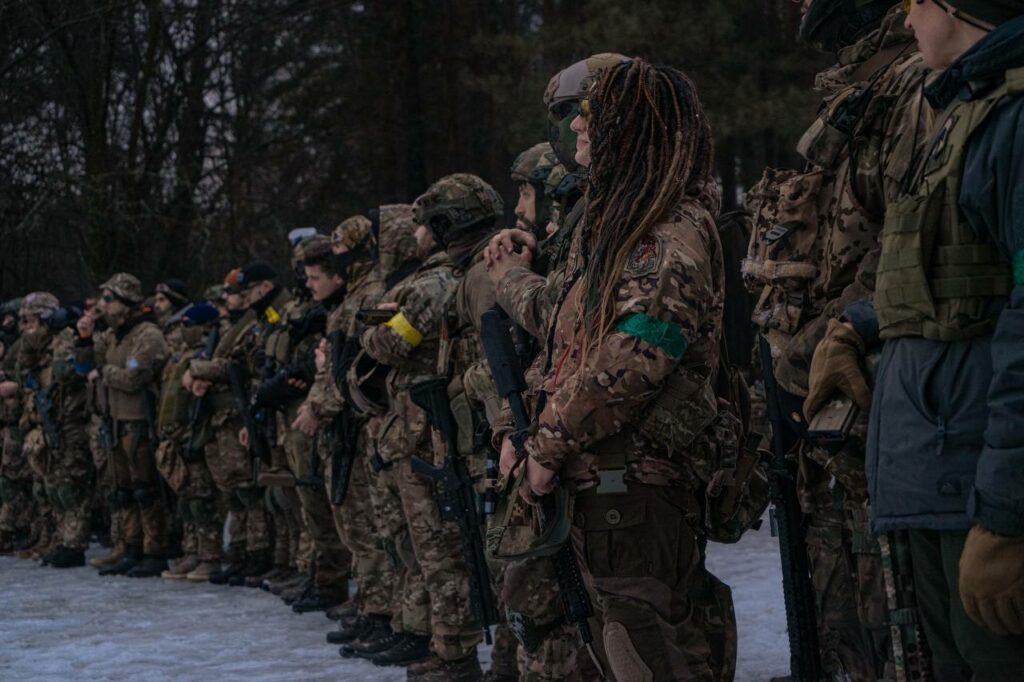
(457, 208)
(835, 24)
(534, 166)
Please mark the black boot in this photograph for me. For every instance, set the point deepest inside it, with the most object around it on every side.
(233, 566)
(316, 600)
(349, 630)
(377, 637)
(256, 563)
(65, 557)
(49, 556)
(410, 648)
(299, 591)
(132, 556)
(150, 567)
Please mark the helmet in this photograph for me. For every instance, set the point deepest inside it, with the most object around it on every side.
(396, 243)
(309, 245)
(366, 385)
(534, 165)
(126, 287)
(562, 97)
(213, 293)
(457, 205)
(352, 232)
(41, 304)
(834, 24)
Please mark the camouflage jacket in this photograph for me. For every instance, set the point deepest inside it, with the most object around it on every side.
(669, 319)
(409, 345)
(45, 364)
(814, 242)
(130, 362)
(364, 290)
(215, 370)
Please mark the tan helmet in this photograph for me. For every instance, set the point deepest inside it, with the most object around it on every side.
(396, 241)
(352, 231)
(456, 205)
(126, 287)
(532, 164)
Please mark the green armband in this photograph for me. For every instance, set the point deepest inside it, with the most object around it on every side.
(667, 336)
(1018, 267)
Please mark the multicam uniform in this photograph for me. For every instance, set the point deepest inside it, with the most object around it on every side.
(814, 249)
(17, 507)
(591, 431)
(408, 344)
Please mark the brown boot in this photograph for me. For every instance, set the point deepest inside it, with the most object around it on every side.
(202, 572)
(115, 555)
(180, 568)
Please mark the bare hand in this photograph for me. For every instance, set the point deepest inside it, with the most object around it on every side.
(540, 479)
(93, 375)
(505, 261)
(298, 383)
(243, 437)
(508, 457)
(320, 355)
(393, 305)
(509, 241)
(200, 387)
(187, 380)
(85, 326)
(305, 421)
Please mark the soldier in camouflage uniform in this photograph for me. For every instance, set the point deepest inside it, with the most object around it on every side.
(226, 459)
(185, 432)
(813, 249)
(549, 645)
(408, 343)
(17, 507)
(128, 359)
(356, 285)
(54, 419)
(631, 420)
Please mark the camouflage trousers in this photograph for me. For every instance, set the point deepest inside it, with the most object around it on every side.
(438, 548)
(530, 595)
(201, 512)
(846, 568)
(106, 486)
(69, 489)
(410, 602)
(17, 507)
(228, 463)
(323, 553)
(357, 526)
(133, 464)
(641, 574)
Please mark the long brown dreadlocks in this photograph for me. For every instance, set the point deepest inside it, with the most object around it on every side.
(651, 145)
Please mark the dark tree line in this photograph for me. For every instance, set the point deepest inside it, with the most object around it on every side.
(182, 137)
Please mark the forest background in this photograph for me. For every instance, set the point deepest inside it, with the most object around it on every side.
(181, 138)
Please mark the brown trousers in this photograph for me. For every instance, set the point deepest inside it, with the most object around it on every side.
(133, 465)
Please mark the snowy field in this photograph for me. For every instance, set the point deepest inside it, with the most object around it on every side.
(74, 625)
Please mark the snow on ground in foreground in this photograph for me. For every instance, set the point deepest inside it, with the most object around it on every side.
(74, 625)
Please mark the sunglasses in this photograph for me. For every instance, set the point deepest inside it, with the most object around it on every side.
(907, 4)
(108, 298)
(585, 110)
(563, 110)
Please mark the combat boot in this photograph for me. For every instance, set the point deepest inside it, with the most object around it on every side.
(65, 557)
(234, 566)
(300, 590)
(54, 551)
(256, 563)
(344, 610)
(132, 556)
(278, 586)
(409, 649)
(460, 670)
(349, 630)
(275, 572)
(179, 568)
(111, 558)
(378, 637)
(202, 572)
(150, 567)
(315, 600)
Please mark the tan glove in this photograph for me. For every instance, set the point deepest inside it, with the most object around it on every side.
(992, 581)
(836, 366)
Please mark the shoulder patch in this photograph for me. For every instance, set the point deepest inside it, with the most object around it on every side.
(646, 257)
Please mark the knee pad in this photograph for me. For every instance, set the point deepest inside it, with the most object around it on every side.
(249, 497)
(623, 658)
(146, 496)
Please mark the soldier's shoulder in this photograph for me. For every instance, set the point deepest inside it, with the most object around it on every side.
(684, 239)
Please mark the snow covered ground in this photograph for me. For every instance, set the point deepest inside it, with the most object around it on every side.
(74, 625)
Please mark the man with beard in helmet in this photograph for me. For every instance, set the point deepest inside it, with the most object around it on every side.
(814, 248)
(128, 359)
(530, 172)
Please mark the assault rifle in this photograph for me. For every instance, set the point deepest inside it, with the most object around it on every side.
(456, 498)
(344, 430)
(788, 524)
(259, 447)
(503, 359)
(372, 317)
(911, 655)
(199, 408)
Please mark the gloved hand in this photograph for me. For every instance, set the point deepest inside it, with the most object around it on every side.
(992, 581)
(836, 366)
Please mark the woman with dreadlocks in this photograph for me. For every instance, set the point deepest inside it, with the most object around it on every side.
(636, 335)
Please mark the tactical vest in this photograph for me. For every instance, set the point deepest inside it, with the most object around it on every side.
(936, 277)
